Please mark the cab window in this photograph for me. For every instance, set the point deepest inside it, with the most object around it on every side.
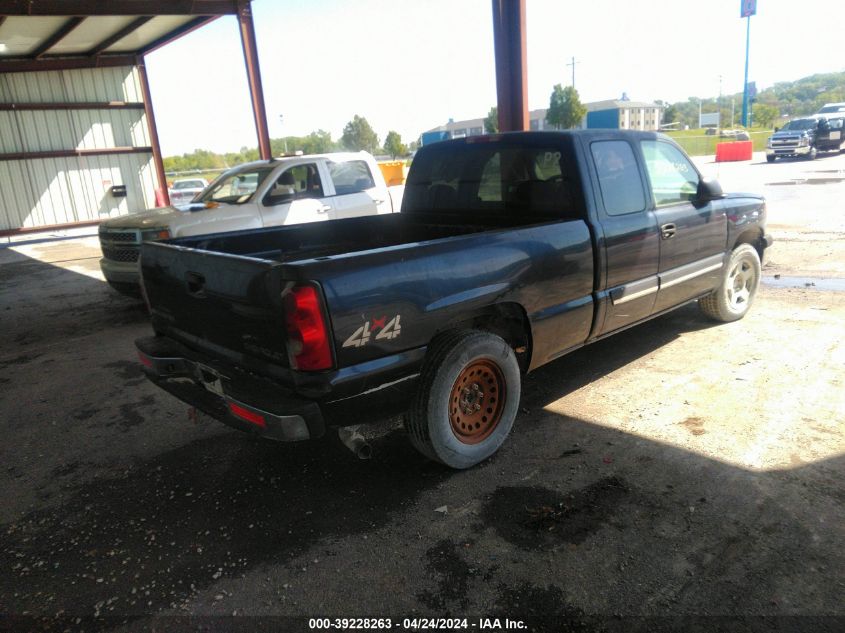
(673, 178)
(351, 177)
(619, 177)
(296, 183)
(493, 178)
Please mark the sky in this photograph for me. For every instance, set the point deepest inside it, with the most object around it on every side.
(411, 65)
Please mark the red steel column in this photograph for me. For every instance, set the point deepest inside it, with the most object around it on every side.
(254, 76)
(162, 196)
(511, 64)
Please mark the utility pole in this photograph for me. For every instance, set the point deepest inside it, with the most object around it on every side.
(572, 63)
(282, 125)
(719, 103)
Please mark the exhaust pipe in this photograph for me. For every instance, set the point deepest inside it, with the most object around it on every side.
(355, 442)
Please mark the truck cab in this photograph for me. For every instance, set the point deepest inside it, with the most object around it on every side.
(260, 194)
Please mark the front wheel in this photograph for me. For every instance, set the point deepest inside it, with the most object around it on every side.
(813, 153)
(770, 159)
(467, 400)
(740, 278)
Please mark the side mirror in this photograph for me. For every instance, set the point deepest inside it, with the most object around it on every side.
(709, 190)
(777, 129)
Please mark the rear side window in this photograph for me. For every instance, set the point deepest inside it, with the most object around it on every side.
(351, 177)
(619, 178)
(490, 177)
(673, 178)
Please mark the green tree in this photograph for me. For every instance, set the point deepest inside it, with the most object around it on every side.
(319, 142)
(393, 145)
(670, 114)
(359, 135)
(491, 123)
(765, 114)
(565, 108)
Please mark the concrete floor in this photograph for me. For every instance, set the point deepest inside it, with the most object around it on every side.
(680, 468)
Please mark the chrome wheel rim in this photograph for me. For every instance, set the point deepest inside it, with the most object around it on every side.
(740, 285)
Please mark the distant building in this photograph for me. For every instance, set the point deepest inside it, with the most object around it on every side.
(617, 114)
(621, 114)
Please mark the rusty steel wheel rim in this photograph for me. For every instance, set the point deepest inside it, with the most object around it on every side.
(477, 401)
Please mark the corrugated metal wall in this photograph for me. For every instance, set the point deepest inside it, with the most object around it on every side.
(44, 191)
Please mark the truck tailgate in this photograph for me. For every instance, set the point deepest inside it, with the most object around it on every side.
(226, 304)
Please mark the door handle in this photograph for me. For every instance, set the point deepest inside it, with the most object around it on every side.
(196, 284)
(667, 231)
(377, 201)
(324, 209)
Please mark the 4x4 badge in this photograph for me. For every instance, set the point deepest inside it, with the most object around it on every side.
(364, 334)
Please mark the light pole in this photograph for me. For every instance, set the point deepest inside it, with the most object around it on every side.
(282, 124)
(749, 8)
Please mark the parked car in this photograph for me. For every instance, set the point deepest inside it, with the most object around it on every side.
(832, 108)
(737, 135)
(280, 191)
(183, 190)
(805, 136)
(510, 251)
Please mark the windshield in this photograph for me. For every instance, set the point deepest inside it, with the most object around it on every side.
(235, 188)
(801, 124)
(836, 107)
(188, 184)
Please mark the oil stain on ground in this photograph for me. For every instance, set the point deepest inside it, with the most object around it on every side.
(453, 574)
(533, 517)
(543, 608)
(694, 426)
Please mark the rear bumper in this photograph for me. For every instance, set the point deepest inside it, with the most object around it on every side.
(243, 401)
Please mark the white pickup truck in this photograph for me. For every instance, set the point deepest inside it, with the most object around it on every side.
(285, 190)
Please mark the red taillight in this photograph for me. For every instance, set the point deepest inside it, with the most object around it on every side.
(309, 348)
(146, 361)
(246, 414)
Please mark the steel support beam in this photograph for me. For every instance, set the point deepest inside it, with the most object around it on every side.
(69, 153)
(19, 65)
(56, 37)
(254, 77)
(186, 28)
(124, 7)
(133, 26)
(158, 161)
(509, 37)
(93, 105)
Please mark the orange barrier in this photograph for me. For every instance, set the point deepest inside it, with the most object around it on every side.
(734, 150)
(394, 172)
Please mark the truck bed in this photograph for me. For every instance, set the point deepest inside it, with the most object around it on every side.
(324, 239)
(222, 294)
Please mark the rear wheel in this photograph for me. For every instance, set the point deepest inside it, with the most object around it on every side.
(467, 400)
(740, 278)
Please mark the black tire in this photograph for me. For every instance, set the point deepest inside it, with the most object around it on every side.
(740, 279)
(127, 289)
(770, 159)
(467, 400)
(813, 153)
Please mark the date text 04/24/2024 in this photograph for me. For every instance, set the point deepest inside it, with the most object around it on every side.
(416, 624)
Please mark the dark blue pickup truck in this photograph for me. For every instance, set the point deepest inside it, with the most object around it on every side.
(510, 251)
